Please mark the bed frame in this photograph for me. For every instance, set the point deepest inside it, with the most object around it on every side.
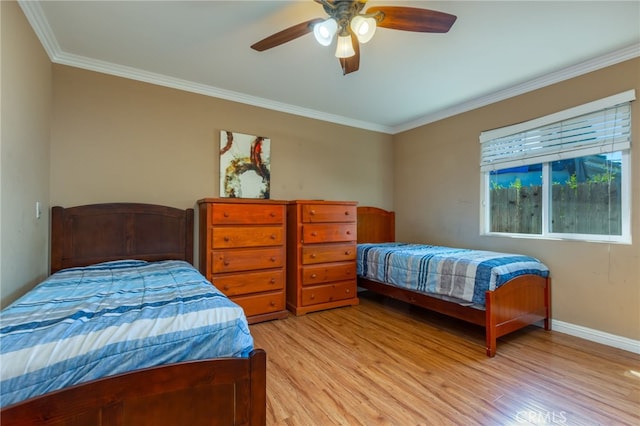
(224, 391)
(516, 304)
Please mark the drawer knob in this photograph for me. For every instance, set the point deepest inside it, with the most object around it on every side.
(272, 214)
(348, 252)
(226, 287)
(348, 232)
(347, 291)
(273, 258)
(272, 280)
(313, 296)
(312, 212)
(346, 213)
(226, 239)
(313, 275)
(226, 263)
(314, 234)
(272, 303)
(225, 214)
(273, 236)
(313, 255)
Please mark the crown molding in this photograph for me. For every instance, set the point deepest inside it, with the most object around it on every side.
(585, 67)
(202, 89)
(35, 15)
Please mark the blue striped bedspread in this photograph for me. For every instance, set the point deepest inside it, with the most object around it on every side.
(86, 323)
(462, 275)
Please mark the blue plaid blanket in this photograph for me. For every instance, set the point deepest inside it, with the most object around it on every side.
(82, 324)
(462, 274)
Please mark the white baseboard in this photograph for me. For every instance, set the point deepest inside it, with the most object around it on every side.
(596, 336)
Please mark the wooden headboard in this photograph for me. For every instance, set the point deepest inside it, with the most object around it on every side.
(376, 225)
(84, 235)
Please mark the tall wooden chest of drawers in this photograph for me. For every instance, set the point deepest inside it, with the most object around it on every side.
(321, 255)
(243, 253)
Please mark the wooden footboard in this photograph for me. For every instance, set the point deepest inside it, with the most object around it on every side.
(520, 302)
(226, 391)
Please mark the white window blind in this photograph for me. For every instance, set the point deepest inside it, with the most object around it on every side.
(597, 127)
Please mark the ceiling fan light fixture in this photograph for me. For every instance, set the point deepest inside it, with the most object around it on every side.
(363, 27)
(345, 47)
(351, 24)
(325, 30)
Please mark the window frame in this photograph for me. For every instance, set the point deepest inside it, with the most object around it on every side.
(546, 234)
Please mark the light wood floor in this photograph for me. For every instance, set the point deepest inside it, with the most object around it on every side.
(385, 363)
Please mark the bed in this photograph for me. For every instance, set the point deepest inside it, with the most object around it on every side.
(127, 331)
(510, 302)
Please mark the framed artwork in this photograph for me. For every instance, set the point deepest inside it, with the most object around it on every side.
(245, 165)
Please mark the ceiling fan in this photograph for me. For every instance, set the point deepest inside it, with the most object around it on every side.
(353, 26)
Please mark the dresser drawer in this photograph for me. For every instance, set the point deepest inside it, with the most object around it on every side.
(320, 253)
(328, 213)
(261, 304)
(328, 293)
(328, 232)
(247, 236)
(246, 259)
(249, 282)
(238, 214)
(313, 275)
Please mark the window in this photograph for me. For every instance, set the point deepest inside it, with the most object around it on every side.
(566, 175)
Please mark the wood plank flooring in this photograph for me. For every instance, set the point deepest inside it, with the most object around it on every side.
(386, 363)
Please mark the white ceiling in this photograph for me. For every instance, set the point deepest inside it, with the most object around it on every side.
(494, 50)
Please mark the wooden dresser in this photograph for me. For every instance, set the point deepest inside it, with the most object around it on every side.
(321, 255)
(242, 252)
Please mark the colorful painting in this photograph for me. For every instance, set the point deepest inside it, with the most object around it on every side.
(245, 165)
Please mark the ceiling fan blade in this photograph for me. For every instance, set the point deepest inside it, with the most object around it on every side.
(322, 2)
(352, 63)
(286, 35)
(414, 19)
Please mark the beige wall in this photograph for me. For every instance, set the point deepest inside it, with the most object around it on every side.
(118, 139)
(437, 193)
(115, 139)
(24, 155)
